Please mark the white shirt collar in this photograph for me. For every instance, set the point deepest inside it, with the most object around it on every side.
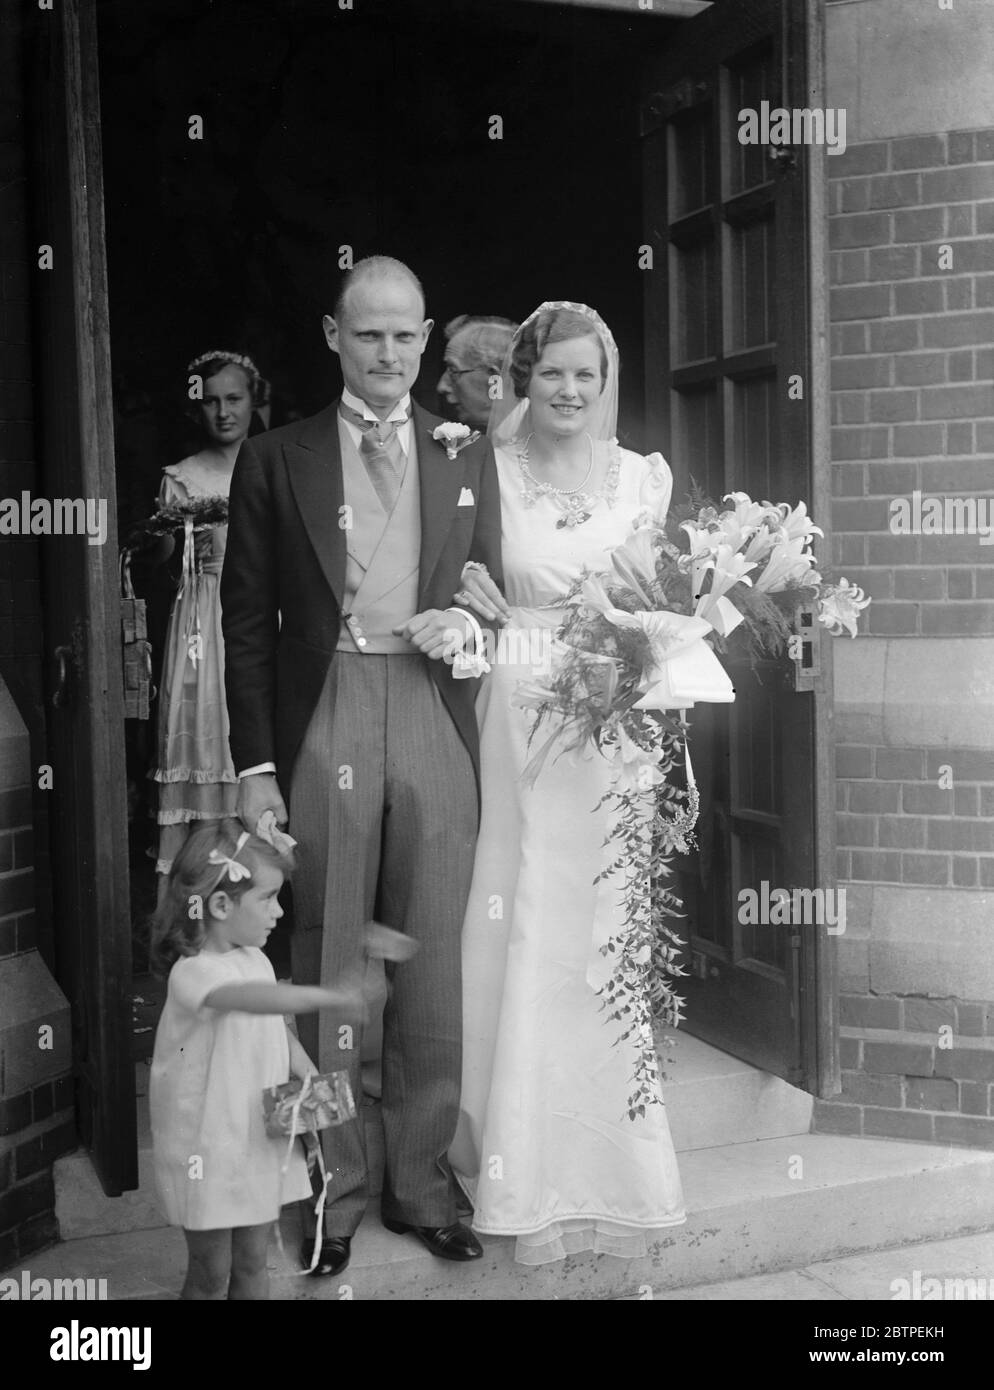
(399, 411)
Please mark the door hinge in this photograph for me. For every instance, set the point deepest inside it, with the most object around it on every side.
(68, 668)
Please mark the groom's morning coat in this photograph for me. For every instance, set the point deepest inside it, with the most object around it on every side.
(283, 580)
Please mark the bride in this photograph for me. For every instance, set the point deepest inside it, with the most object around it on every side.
(545, 1148)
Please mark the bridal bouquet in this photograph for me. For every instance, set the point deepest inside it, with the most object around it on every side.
(636, 649)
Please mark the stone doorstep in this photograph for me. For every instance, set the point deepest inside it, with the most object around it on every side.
(712, 1099)
(746, 1216)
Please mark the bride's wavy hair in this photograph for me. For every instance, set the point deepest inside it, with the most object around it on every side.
(551, 326)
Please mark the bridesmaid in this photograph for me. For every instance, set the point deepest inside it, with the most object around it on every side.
(195, 775)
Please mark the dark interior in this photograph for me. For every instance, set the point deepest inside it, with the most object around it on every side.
(366, 128)
(325, 127)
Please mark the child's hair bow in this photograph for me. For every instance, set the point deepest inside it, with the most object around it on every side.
(229, 867)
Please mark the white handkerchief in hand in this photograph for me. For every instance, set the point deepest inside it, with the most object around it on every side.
(384, 943)
(267, 829)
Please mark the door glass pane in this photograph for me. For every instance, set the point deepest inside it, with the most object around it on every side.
(755, 438)
(692, 274)
(691, 146)
(698, 439)
(756, 749)
(749, 85)
(760, 872)
(752, 291)
(704, 876)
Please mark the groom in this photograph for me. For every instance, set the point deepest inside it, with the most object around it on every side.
(347, 537)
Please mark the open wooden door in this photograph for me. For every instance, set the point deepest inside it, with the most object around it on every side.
(82, 610)
(729, 322)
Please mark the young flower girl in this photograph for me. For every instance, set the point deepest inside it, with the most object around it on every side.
(221, 1040)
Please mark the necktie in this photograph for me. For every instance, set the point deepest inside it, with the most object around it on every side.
(381, 453)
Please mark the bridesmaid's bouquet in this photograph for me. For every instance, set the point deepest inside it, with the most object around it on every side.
(636, 649)
(199, 512)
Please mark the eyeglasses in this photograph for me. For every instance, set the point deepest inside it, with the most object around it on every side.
(463, 371)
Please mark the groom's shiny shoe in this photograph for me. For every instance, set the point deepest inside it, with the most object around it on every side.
(453, 1242)
(336, 1251)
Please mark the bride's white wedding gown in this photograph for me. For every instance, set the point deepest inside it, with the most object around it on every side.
(545, 1148)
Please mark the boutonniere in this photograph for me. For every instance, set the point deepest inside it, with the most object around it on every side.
(454, 437)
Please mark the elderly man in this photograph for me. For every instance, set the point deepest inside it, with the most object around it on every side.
(474, 352)
(348, 533)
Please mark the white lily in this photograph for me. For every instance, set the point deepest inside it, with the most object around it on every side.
(703, 544)
(789, 559)
(730, 568)
(797, 522)
(840, 606)
(740, 522)
(635, 562)
(594, 595)
(763, 541)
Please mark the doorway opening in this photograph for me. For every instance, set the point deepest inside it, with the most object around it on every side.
(496, 153)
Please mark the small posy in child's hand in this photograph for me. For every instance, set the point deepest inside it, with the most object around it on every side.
(385, 943)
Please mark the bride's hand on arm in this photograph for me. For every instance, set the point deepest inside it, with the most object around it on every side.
(480, 593)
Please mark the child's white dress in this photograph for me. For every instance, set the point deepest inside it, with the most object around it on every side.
(215, 1166)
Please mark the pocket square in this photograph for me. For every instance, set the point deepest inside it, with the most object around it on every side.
(466, 498)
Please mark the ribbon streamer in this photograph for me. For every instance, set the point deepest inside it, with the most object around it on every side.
(189, 585)
(306, 1086)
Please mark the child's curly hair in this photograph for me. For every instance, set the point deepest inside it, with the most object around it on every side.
(178, 925)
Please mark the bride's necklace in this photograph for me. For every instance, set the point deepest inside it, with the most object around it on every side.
(576, 504)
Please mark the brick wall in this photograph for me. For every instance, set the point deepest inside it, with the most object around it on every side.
(915, 1069)
(898, 823)
(912, 311)
(913, 372)
(36, 1090)
(37, 1121)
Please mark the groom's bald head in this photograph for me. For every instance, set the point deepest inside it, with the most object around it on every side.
(380, 270)
(379, 331)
